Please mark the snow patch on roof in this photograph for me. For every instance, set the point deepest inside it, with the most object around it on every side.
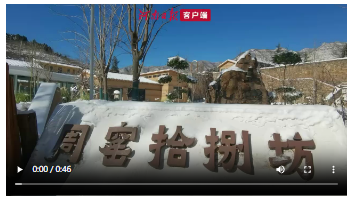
(242, 55)
(157, 71)
(125, 77)
(234, 68)
(54, 63)
(20, 63)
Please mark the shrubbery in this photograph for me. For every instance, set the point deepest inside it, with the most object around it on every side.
(22, 97)
(66, 95)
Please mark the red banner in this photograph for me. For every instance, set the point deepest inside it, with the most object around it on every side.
(195, 15)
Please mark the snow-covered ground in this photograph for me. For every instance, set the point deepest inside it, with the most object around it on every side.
(23, 106)
(321, 123)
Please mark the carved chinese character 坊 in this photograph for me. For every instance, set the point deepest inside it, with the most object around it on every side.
(306, 173)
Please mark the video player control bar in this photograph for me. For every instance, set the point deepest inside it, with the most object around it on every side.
(176, 184)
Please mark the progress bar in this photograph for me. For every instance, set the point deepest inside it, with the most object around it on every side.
(176, 183)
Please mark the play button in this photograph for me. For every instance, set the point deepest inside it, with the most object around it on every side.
(19, 169)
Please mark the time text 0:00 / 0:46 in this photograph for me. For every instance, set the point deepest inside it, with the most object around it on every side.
(51, 169)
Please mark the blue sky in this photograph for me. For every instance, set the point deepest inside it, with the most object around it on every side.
(233, 28)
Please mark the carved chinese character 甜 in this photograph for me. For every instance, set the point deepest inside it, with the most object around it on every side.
(75, 136)
(115, 151)
(297, 144)
(178, 157)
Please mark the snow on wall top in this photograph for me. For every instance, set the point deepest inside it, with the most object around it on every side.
(41, 104)
(319, 123)
(302, 63)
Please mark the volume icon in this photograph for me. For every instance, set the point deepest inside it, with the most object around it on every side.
(333, 170)
(280, 169)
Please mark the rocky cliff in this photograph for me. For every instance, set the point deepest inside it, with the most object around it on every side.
(240, 84)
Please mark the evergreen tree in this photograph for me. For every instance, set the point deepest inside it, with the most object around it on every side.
(177, 64)
(286, 58)
(290, 94)
(114, 65)
(278, 48)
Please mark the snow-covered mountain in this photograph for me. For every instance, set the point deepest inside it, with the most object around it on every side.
(24, 51)
(16, 49)
(326, 51)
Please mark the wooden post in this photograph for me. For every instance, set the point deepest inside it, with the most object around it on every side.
(29, 134)
(13, 145)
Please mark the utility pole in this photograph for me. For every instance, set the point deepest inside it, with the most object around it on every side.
(92, 41)
(314, 77)
(192, 85)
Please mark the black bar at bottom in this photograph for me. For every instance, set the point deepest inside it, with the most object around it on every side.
(28, 190)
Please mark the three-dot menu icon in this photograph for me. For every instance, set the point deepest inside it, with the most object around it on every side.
(333, 169)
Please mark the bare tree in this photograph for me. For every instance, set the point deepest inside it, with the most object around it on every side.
(107, 26)
(140, 39)
(35, 69)
(80, 91)
(200, 88)
(47, 72)
(108, 36)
